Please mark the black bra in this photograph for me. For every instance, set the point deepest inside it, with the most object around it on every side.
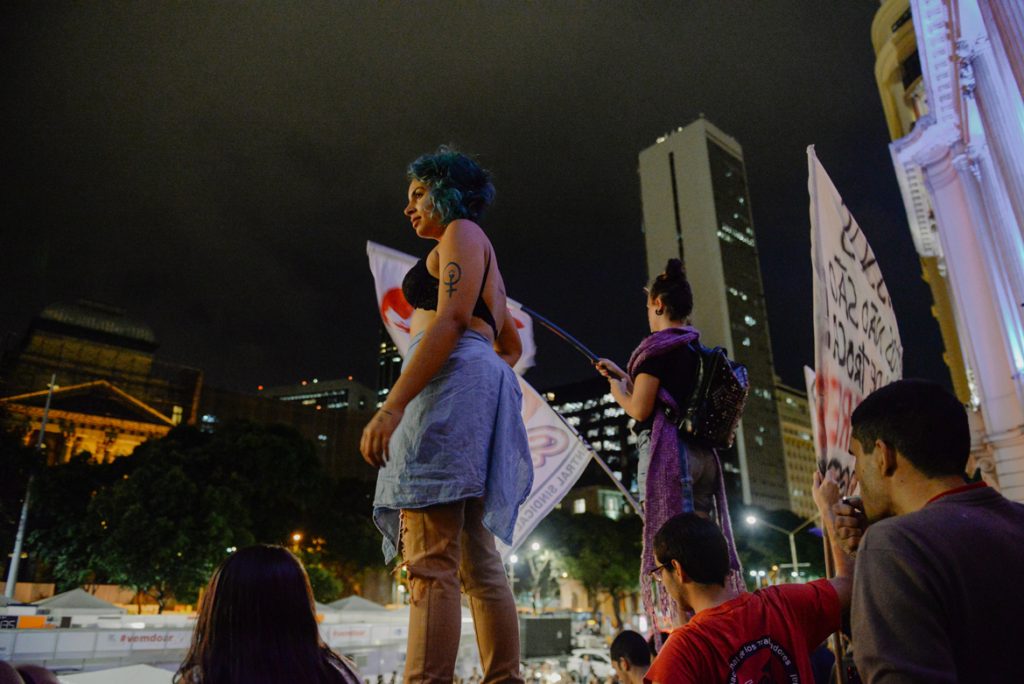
(420, 290)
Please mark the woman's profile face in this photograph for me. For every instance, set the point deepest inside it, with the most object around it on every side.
(420, 211)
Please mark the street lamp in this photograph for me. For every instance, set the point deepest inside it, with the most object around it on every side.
(754, 520)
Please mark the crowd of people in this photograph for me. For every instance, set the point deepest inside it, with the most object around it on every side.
(925, 564)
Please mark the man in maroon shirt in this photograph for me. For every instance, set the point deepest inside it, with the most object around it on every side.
(937, 594)
(764, 636)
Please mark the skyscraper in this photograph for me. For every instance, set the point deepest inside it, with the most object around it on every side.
(389, 365)
(798, 446)
(696, 207)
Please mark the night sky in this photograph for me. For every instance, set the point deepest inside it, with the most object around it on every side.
(216, 168)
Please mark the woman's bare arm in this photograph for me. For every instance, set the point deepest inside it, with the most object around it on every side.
(462, 261)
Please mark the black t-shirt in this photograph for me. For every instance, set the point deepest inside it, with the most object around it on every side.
(676, 372)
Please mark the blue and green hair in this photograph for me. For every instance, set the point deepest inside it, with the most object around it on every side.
(459, 187)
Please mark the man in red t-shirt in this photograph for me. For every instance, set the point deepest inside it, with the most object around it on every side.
(760, 637)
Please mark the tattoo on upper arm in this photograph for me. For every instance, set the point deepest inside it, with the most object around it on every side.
(452, 275)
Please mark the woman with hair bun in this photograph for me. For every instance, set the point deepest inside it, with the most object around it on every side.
(674, 475)
(449, 442)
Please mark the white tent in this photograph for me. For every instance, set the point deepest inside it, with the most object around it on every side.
(78, 602)
(134, 674)
(355, 603)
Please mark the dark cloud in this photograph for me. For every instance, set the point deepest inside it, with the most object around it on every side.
(216, 168)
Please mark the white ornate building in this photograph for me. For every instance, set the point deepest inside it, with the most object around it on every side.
(961, 171)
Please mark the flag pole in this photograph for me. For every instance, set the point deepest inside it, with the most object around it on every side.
(558, 331)
(593, 358)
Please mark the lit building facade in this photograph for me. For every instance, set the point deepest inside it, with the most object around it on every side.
(94, 417)
(113, 394)
(591, 410)
(798, 446)
(389, 365)
(597, 499)
(697, 208)
(960, 167)
(330, 395)
(904, 101)
(87, 341)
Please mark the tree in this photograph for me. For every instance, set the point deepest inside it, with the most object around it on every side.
(160, 519)
(63, 537)
(352, 543)
(603, 554)
(17, 463)
(162, 533)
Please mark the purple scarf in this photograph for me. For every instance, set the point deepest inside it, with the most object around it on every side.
(663, 497)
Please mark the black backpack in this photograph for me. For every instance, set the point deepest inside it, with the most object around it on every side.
(712, 413)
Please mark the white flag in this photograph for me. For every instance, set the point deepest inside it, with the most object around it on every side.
(857, 346)
(559, 455)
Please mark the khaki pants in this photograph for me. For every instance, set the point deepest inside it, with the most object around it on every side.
(443, 545)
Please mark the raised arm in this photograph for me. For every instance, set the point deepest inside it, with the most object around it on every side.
(826, 496)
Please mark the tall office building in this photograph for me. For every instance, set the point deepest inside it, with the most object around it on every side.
(798, 446)
(389, 365)
(591, 410)
(696, 207)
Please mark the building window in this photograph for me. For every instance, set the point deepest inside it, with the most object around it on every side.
(579, 506)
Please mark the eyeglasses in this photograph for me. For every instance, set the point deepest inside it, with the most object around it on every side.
(656, 572)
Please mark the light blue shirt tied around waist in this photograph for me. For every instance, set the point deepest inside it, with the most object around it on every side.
(461, 437)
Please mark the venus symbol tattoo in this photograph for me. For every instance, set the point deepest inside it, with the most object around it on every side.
(452, 275)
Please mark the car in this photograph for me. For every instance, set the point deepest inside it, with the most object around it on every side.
(597, 659)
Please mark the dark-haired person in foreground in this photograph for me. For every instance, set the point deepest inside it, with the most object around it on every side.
(631, 657)
(674, 475)
(762, 636)
(937, 595)
(257, 625)
(453, 457)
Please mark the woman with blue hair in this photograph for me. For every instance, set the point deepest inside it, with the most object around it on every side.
(449, 442)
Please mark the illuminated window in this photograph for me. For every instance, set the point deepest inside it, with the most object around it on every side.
(579, 506)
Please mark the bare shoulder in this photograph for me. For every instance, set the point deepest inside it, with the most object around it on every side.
(464, 233)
